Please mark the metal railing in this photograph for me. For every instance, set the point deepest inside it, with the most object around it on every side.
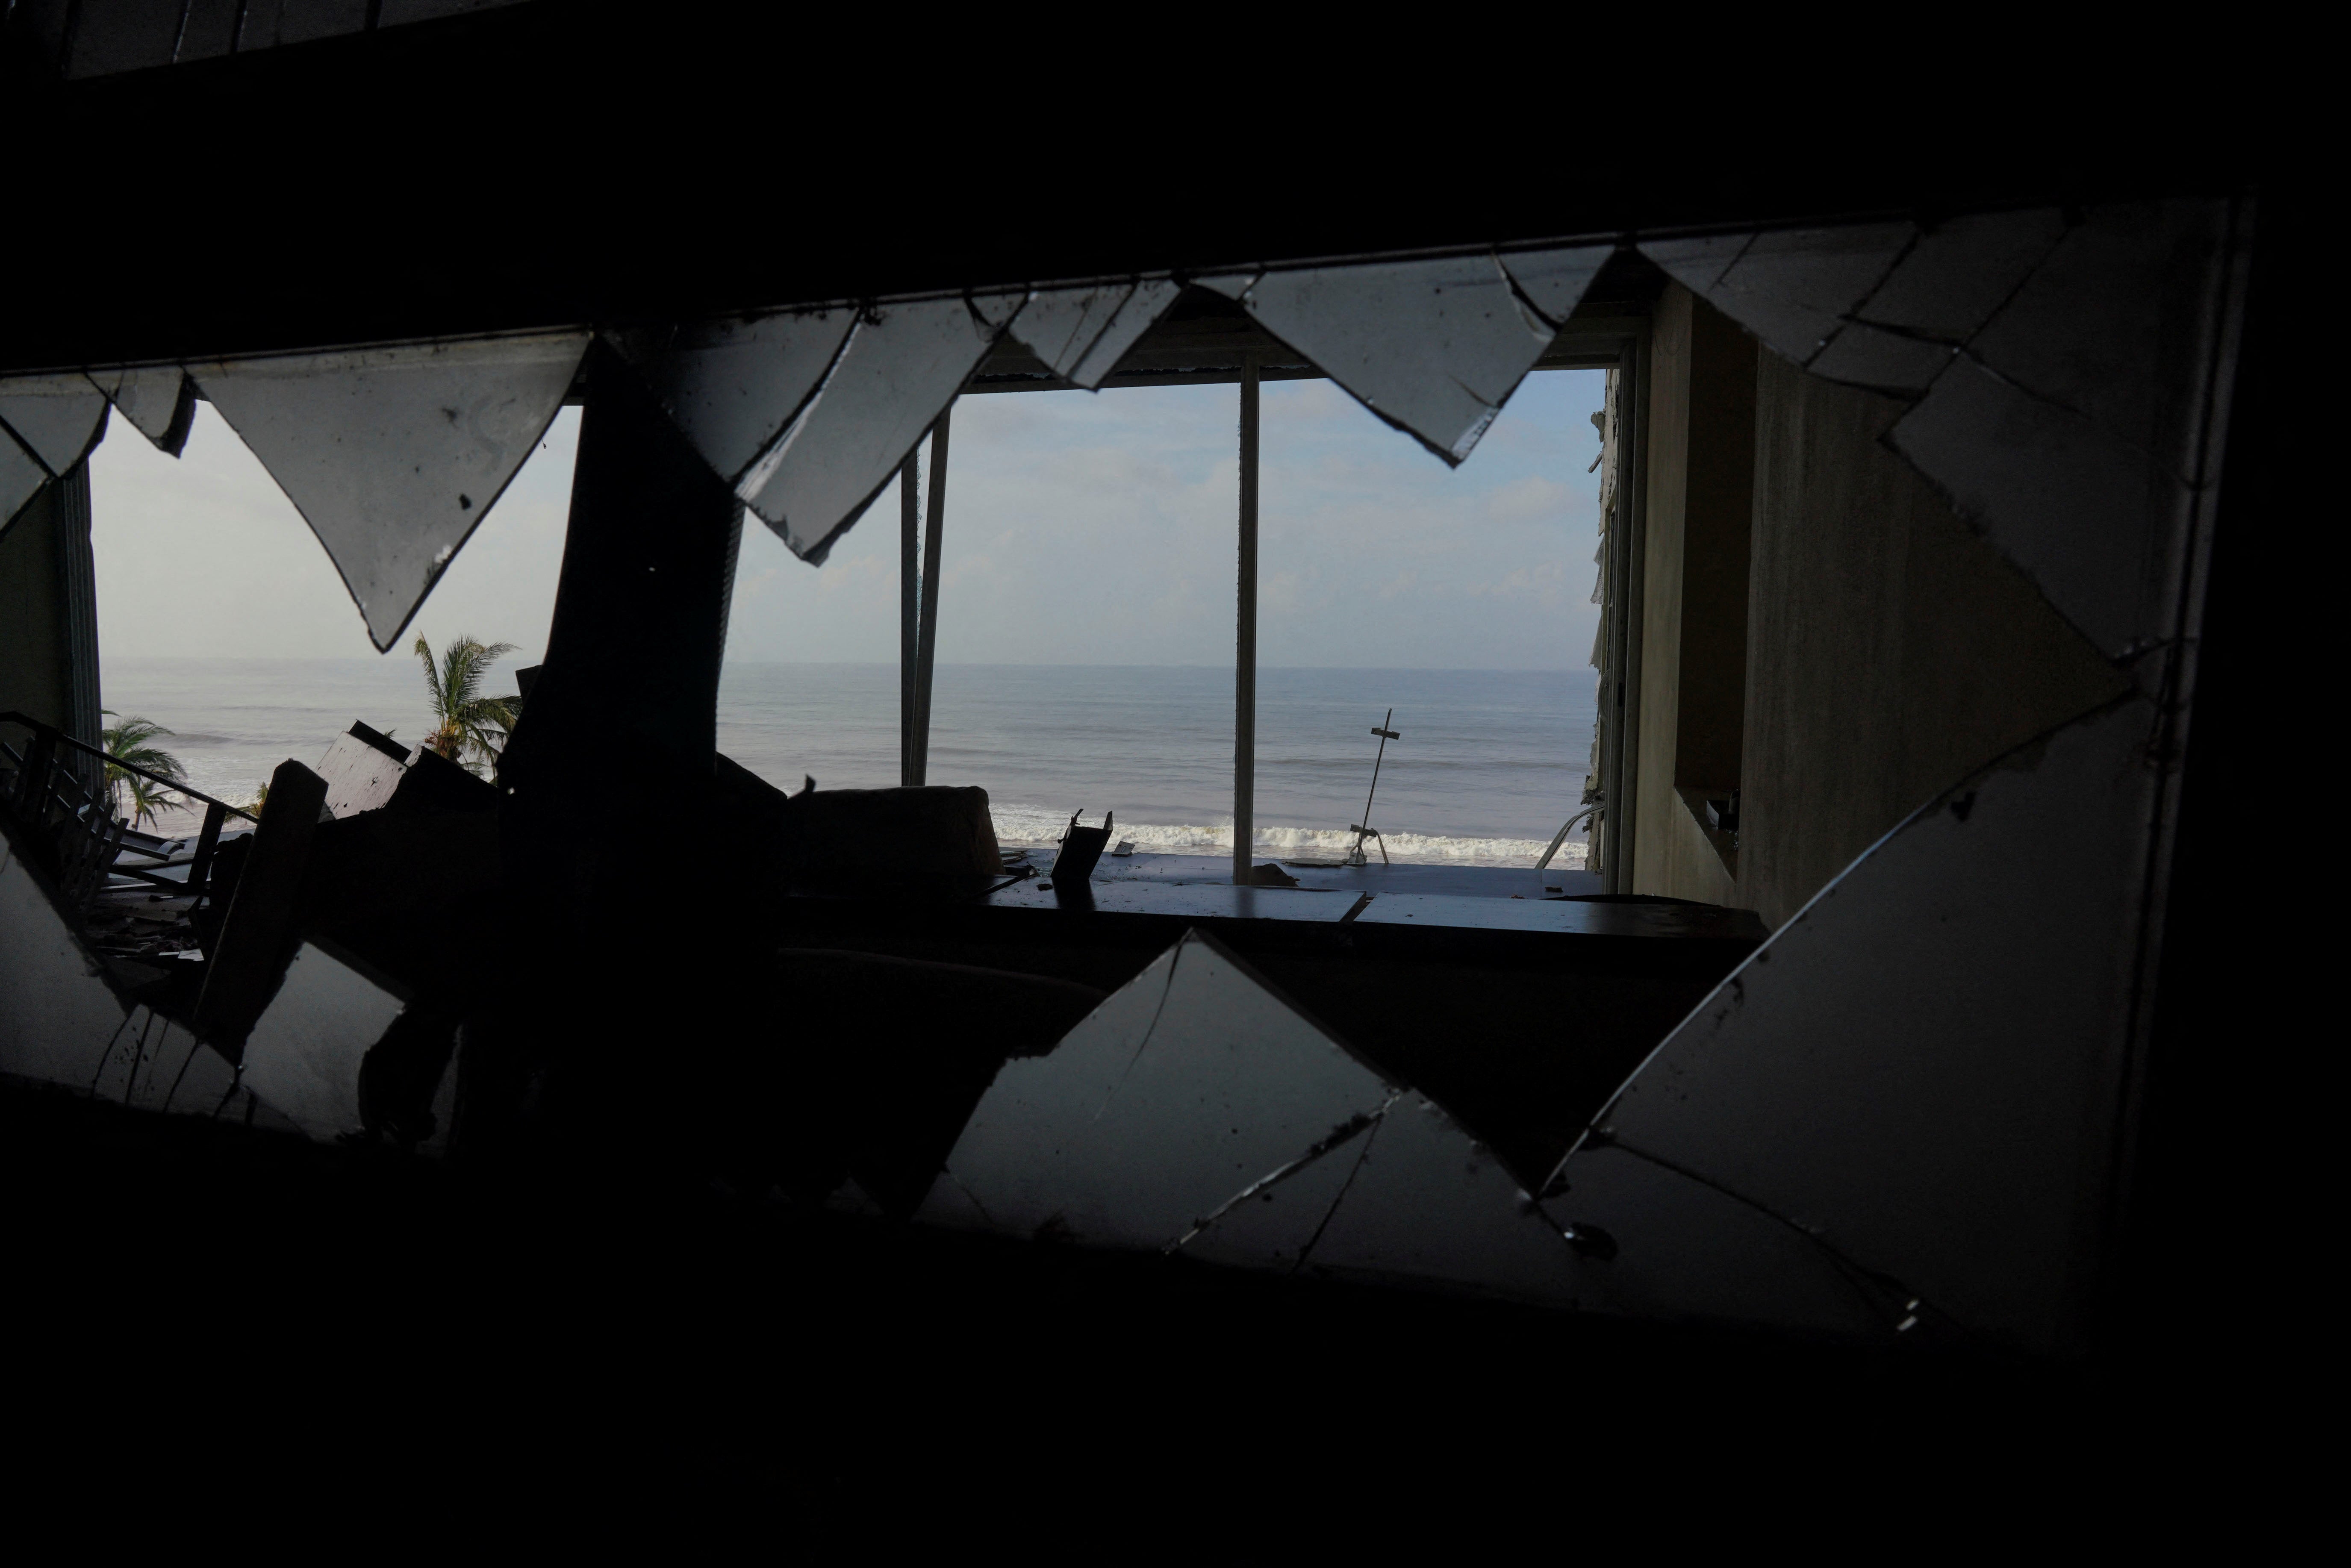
(49, 802)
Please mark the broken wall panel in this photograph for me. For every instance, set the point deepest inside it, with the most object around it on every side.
(1433, 347)
(394, 455)
(902, 366)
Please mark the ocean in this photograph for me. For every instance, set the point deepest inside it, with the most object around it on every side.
(1489, 765)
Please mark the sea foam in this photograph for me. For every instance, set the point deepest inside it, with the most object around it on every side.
(1034, 827)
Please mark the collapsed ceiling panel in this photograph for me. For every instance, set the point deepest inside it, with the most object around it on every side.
(1142, 309)
(2079, 429)
(902, 365)
(58, 419)
(1433, 347)
(1696, 263)
(1080, 334)
(1949, 283)
(1945, 287)
(156, 399)
(2063, 374)
(394, 455)
(1791, 288)
(734, 387)
(1554, 281)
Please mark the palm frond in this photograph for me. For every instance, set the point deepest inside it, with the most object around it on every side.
(469, 727)
(128, 741)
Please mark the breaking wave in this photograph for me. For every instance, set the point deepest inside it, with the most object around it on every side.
(1031, 827)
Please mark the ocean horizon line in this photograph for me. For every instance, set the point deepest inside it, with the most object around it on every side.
(402, 653)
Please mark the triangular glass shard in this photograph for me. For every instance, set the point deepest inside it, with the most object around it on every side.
(1426, 1202)
(1274, 1222)
(1180, 1091)
(21, 479)
(1961, 271)
(1061, 325)
(1793, 288)
(1695, 264)
(995, 310)
(1082, 333)
(1861, 355)
(1431, 347)
(902, 365)
(1134, 319)
(58, 419)
(2079, 428)
(153, 400)
(394, 455)
(1964, 1153)
(732, 387)
(1660, 1243)
(1553, 281)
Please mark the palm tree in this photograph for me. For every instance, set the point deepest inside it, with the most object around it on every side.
(128, 741)
(468, 727)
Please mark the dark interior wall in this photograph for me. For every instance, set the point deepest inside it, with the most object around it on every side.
(48, 614)
(1688, 428)
(33, 676)
(1718, 501)
(1891, 650)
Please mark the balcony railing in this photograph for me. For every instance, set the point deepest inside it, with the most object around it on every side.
(46, 800)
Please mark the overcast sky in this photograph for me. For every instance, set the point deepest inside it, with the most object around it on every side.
(1080, 529)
